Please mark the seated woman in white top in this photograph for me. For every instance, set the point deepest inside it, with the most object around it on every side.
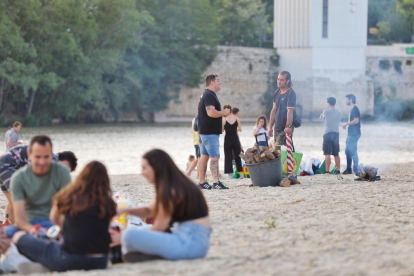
(259, 128)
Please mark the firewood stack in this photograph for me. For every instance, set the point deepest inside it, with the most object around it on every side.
(259, 154)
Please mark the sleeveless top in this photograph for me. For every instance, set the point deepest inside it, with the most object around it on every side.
(231, 129)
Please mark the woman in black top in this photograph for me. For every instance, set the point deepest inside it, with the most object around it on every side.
(83, 210)
(232, 146)
(177, 199)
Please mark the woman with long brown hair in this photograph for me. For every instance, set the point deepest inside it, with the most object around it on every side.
(83, 210)
(177, 199)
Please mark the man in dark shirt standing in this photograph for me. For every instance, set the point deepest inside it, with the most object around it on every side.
(210, 127)
(284, 103)
(354, 133)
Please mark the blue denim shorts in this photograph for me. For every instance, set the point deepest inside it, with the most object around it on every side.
(210, 145)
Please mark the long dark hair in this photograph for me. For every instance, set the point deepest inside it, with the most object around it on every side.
(265, 121)
(175, 192)
(90, 188)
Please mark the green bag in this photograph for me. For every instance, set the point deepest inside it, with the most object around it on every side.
(322, 168)
(296, 162)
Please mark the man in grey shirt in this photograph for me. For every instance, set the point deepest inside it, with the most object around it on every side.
(12, 136)
(332, 118)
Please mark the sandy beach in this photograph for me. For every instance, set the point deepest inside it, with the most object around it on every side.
(322, 227)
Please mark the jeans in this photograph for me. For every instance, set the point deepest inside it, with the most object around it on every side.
(51, 255)
(351, 152)
(188, 240)
(43, 222)
(210, 145)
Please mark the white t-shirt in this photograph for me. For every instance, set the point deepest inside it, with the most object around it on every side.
(261, 138)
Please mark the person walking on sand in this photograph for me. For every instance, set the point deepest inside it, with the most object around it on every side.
(332, 118)
(281, 116)
(232, 125)
(210, 128)
(12, 136)
(354, 133)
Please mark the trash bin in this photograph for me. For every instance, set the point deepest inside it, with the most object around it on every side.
(265, 174)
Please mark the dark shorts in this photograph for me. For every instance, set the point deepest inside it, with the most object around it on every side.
(197, 151)
(280, 137)
(7, 169)
(331, 144)
(51, 255)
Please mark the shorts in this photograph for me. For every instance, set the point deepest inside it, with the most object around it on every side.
(197, 151)
(331, 144)
(210, 145)
(7, 169)
(280, 138)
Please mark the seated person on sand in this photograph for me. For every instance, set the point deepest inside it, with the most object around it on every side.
(260, 128)
(33, 187)
(83, 210)
(177, 199)
(17, 158)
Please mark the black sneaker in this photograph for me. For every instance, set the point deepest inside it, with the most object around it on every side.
(204, 186)
(347, 172)
(219, 186)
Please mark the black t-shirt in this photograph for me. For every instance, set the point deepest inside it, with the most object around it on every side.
(85, 234)
(283, 103)
(206, 124)
(354, 130)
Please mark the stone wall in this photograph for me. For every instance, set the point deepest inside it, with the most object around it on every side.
(245, 73)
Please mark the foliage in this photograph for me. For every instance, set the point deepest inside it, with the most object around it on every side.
(397, 110)
(271, 223)
(244, 22)
(60, 59)
(393, 18)
(397, 65)
(384, 64)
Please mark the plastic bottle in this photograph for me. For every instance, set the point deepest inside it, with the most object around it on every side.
(122, 203)
(7, 221)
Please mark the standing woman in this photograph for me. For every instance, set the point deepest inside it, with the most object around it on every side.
(231, 124)
(177, 199)
(83, 210)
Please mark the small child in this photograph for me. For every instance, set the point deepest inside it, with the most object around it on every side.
(191, 159)
(259, 128)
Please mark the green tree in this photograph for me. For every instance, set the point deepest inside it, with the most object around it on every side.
(177, 49)
(386, 16)
(242, 22)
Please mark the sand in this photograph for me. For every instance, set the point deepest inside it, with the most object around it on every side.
(322, 227)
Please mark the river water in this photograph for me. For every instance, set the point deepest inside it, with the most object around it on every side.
(121, 146)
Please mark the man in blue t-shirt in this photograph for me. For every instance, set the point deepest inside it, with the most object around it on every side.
(354, 133)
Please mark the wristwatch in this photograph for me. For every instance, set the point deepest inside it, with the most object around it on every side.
(289, 126)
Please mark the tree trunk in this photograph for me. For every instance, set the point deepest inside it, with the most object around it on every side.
(32, 97)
